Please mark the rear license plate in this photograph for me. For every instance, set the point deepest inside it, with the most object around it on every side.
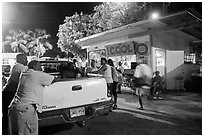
(75, 112)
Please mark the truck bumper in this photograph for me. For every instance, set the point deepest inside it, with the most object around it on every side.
(61, 116)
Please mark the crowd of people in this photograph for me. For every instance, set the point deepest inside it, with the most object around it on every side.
(22, 94)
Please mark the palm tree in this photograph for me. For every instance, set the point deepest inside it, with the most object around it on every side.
(38, 43)
(29, 42)
(15, 41)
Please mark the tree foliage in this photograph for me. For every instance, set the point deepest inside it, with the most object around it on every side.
(111, 15)
(33, 43)
(75, 27)
(105, 16)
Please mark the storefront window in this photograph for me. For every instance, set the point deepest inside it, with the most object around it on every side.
(190, 58)
(97, 55)
(125, 59)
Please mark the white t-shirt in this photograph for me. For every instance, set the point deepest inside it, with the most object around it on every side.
(31, 87)
(114, 74)
(143, 70)
(108, 74)
(122, 70)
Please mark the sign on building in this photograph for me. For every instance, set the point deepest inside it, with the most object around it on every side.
(142, 49)
(126, 48)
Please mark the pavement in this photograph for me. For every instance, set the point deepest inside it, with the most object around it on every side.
(176, 114)
(178, 109)
(189, 103)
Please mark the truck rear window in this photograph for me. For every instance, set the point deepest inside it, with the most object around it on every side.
(52, 67)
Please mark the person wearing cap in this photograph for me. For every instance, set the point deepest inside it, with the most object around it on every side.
(27, 102)
(9, 89)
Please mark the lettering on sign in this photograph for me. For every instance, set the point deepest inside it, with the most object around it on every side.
(121, 49)
(48, 107)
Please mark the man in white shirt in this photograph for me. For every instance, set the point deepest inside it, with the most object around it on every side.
(143, 76)
(23, 117)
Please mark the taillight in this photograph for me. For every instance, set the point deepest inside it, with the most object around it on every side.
(108, 93)
(6, 68)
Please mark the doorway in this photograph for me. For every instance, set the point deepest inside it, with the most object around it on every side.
(160, 61)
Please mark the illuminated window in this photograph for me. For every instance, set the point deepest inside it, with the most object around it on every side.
(190, 58)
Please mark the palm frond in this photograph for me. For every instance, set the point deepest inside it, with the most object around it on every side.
(22, 41)
(48, 45)
(8, 38)
(41, 50)
(26, 36)
(23, 48)
(14, 46)
(31, 44)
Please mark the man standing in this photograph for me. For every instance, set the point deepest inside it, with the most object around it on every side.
(120, 70)
(106, 71)
(115, 82)
(143, 76)
(23, 117)
(10, 88)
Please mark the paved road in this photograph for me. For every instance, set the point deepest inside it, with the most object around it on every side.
(175, 115)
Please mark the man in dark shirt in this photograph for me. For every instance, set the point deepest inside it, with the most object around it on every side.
(156, 84)
(71, 71)
(10, 88)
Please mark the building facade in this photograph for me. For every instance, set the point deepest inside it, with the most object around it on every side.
(165, 43)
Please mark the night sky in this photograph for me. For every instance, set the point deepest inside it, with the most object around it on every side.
(49, 15)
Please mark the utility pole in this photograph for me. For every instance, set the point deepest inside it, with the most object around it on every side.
(165, 5)
(148, 9)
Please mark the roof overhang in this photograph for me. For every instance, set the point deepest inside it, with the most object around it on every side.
(187, 22)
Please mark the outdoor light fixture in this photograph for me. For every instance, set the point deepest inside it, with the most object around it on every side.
(155, 15)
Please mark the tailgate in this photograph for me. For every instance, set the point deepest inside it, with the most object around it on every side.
(72, 93)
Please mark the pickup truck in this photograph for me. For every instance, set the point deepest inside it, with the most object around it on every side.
(72, 100)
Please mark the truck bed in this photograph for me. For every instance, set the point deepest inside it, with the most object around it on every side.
(68, 93)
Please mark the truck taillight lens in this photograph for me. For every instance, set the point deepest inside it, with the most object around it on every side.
(6, 68)
(108, 93)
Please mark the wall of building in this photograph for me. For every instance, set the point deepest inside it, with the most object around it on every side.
(172, 40)
(176, 44)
